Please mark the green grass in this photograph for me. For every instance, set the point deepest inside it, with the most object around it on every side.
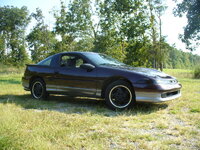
(80, 123)
(180, 73)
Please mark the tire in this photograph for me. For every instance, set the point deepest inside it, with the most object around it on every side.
(120, 95)
(38, 89)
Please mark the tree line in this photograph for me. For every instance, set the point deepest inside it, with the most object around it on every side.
(130, 31)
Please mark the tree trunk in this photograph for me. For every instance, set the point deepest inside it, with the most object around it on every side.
(160, 43)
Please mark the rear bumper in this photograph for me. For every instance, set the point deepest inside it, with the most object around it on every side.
(25, 84)
(155, 97)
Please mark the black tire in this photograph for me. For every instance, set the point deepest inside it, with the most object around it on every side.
(38, 89)
(120, 95)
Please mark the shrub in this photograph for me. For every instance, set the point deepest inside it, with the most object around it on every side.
(6, 69)
(197, 73)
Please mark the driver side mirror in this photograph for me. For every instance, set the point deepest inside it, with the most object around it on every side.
(88, 67)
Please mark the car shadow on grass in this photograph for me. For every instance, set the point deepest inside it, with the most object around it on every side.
(78, 105)
(10, 81)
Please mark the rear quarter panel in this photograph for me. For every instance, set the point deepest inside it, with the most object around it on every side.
(39, 71)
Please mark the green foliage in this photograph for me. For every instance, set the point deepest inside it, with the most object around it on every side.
(40, 40)
(2, 49)
(121, 24)
(41, 43)
(197, 73)
(137, 54)
(129, 31)
(73, 23)
(84, 45)
(157, 50)
(191, 32)
(179, 59)
(12, 34)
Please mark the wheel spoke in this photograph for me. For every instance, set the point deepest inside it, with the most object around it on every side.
(37, 90)
(120, 96)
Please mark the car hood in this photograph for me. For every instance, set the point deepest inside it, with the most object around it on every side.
(150, 72)
(143, 71)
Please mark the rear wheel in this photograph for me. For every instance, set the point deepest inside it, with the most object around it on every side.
(38, 89)
(119, 95)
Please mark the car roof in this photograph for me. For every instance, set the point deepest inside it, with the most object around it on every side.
(76, 52)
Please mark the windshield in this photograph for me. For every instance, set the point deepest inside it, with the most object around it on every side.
(102, 59)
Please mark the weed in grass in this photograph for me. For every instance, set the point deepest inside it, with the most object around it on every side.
(173, 141)
(174, 111)
(197, 73)
(195, 110)
(198, 145)
(162, 126)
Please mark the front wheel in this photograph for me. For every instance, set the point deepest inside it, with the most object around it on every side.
(119, 95)
(38, 89)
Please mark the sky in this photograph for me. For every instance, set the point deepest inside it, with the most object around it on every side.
(171, 26)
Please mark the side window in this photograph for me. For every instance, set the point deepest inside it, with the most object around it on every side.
(79, 62)
(64, 60)
(46, 62)
(71, 61)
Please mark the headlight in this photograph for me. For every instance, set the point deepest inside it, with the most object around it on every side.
(166, 81)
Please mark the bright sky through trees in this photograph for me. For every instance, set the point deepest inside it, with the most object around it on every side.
(172, 26)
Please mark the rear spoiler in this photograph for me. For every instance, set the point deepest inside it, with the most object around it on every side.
(31, 64)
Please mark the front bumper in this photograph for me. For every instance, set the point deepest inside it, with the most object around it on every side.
(157, 93)
(155, 97)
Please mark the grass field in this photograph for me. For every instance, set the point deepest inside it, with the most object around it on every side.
(80, 123)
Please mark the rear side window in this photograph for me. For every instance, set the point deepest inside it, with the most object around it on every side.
(46, 62)
(71, 61)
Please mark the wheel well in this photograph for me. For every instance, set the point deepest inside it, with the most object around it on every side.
(33, 78)
(111, 80)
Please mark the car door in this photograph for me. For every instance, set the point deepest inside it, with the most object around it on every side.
(73, 80)
(45, 69)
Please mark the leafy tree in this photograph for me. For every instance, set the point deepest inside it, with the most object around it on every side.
(121, 24)
(156, 9)
(107, 38)
(12, 30)
(191, 34)
(41, 41)
(137, 54)
(130, 31)
(2, 49)
(178, 59)
(84, 44)
(72, 22)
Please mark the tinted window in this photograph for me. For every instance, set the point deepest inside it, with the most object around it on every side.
(46, 62)
(79, 62)
(71, 61)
